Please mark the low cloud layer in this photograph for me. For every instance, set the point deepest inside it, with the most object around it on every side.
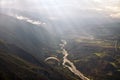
(35, 22)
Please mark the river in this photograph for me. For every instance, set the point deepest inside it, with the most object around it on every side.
(71, 66)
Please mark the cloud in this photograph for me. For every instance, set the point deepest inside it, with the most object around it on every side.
(115, 15)
(63, 7)
(21, 17)
(109, 7)
(7, 3)
(35, 22)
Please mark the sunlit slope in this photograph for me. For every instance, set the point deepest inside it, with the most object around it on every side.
(97, 58)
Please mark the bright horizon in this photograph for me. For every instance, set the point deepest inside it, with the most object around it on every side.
(110, 8)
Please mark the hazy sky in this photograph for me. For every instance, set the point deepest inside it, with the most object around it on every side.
(110, 7)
